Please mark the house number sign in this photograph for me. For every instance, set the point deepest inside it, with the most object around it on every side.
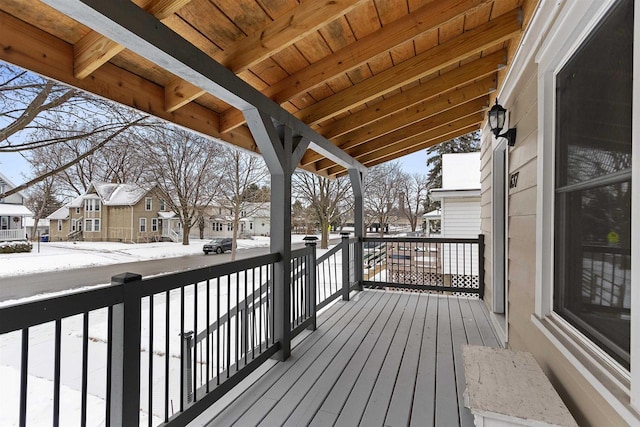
(513, 180)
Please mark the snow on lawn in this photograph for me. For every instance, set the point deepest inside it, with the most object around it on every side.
(52, 256)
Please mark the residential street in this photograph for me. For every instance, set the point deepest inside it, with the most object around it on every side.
(34, 284)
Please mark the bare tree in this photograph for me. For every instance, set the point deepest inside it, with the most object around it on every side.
(414, 190)
(242, 173)
(327, 198)
(186, 169)
(381, 189)
(42, 199)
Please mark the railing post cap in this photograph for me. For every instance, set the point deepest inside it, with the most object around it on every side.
(120, 279)
(310, 240)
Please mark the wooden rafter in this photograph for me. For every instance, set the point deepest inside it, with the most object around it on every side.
(94, 50)
(407, 136)
(358, 53)
(446, 54)
(277, 36)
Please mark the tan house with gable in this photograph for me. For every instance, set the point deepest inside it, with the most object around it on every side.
(112, 212)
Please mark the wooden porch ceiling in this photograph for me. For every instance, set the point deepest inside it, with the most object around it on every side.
(378, 78)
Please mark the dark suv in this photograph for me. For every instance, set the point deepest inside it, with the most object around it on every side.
(217, 245)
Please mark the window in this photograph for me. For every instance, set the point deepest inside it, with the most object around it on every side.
(592, 273)
(154, 224)
(229, 226)
(250, 226)
(90, 205)
(163, 206)
(96, 224)
(148, 203)
(77, 210)
(88, 225)
(59, 225)
(73, 224)
(143, 225)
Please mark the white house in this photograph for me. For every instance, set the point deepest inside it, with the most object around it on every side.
(12, 212)
(459, 196)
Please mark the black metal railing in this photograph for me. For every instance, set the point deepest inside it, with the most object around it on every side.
(427, 264)
(161, 350)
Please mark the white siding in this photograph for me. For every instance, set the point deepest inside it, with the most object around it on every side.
(461, 217)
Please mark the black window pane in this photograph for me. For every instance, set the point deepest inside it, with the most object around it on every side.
(594, 95)
(593, 185)
(596, 272)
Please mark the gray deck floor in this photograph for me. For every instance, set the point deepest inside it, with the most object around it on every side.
(384, 358)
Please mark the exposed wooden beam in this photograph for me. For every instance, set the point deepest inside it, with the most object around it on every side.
(457, 77)
(403, 137)
(408, 116)
(337, 171)
(358, 53)
(451, 52)
(33, 49)
(284, 32)
(277, 36)
(94, 49)
(141, 33)
(426, 143)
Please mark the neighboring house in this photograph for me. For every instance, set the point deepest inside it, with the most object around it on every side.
(432, 221)
(114, 212)
(254, 221)
(560, 214)
(459, 196)
(12, 213)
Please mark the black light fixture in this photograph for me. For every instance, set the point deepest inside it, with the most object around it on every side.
(497, 115)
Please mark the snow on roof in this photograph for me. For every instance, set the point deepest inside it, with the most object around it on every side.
(117, 194)
(75, 203)
(461, 171)
(62, 213)
(14, 210)
(29, 222)
(435, 214)
(10, 184)
(166, 215)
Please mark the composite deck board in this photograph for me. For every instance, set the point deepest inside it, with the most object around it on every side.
(384, 358)
(459, 338)
(339, 369)
(399, 411)
(423, 410)
(446, 395)
(246, 400)
(287, 394)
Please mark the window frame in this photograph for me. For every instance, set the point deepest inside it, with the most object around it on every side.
(142, 225)
(574, 23)
(148, 204)
(154, 224)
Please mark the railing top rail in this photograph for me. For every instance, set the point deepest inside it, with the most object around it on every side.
(297, 253)
(331, 251)
(24, 315)
(420, 240)
(164, 283)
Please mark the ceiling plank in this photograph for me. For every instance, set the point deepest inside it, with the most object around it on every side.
(277, 36)
(417, 113)
(458, 77)
(449, 53)
(358, 53)
(284, 32)
(94, 49)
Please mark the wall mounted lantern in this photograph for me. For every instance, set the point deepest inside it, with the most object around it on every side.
(497, 116)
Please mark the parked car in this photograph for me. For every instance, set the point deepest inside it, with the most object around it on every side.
(218, 245)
